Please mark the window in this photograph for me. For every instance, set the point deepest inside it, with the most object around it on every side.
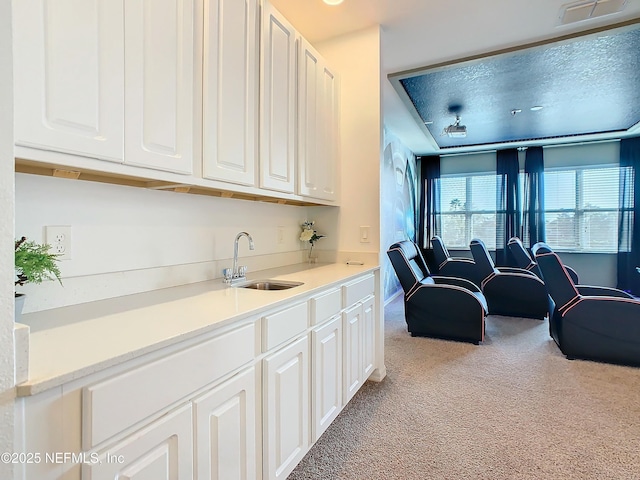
(581, 209)
(468, 206)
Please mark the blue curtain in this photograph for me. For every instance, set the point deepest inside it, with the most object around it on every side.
(508, 210)
(533, 227)
(429, 208)
(629, 223)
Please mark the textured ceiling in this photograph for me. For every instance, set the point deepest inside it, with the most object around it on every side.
(418, 34)
(588, 85)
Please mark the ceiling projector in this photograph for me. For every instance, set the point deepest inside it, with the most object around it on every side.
(455, 129)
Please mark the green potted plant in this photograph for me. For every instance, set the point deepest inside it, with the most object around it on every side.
(33, 264)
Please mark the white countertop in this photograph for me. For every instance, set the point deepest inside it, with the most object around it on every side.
(71, 342)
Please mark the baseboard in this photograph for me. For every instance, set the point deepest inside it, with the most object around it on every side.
(393, 297)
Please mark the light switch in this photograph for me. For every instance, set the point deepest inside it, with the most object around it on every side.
(365, 233)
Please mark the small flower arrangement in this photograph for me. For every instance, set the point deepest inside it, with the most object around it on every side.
(309, 234)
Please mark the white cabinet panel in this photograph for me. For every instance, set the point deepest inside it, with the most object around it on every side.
(325, 306)
(368, 336)
(278, 102)
(159, 84)
(281, 326)
(230, 95)
(68, 76)
(161, 451)
(317, 125)
(358, 289)
(326, 374)
(286, 409)
(328, 132)
(308, 140)
(352, 351)
(107, 406)
(225, 420)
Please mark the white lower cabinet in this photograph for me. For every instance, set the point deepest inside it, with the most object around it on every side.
(286, 408)
(225, 430)
(244, 403)
(352, 351)
(161, 451)
(359, 345)
(368, 336)
(326, 374)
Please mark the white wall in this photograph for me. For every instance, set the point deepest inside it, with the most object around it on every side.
(356, 58)
(7, 391)
(127, 240)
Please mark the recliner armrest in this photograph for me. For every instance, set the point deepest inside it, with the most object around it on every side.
(459, 282)
(594, 291)
(572, 273)
(515, 270)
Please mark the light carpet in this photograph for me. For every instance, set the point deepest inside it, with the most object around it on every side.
(511, 408)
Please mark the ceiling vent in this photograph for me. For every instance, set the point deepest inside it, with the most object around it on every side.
(579, 11)
(455, 129)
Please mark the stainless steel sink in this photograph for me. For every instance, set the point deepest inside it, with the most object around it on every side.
(269, 285)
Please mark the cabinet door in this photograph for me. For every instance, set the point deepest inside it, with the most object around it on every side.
(225, 420)
(328, 128)
(326, 375)
(352, 352)
(286, 409)
(317, 125)
(161, 451)
(230, 97)
(368, 337)
(159, 83)
(278, 102)
(68, 76)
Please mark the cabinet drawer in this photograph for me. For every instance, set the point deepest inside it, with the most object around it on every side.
(114, 405)
(281, 326)
(357, 290)
(325, 306)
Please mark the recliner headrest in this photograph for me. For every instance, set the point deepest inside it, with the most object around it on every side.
(540, 248)
(408, 249)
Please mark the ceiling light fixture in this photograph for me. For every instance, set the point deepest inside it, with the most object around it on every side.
(455, 129)
(333, 2)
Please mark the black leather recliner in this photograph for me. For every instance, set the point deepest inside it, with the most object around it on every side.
(449, 266)
(589, 322)
(509, 291)
(435, 306)
(523, 260)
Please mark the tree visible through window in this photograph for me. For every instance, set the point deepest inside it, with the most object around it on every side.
(581, 209)
(468, 210)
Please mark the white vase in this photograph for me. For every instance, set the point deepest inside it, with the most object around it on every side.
(19, 304)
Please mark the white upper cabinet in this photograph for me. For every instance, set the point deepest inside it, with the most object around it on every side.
(230, 90)
(107, 79)
(278, 102)
(69, 68)
(317, 125)
(159, 84)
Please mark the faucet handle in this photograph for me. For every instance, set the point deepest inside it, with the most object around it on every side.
(228, 274)
(242, 271)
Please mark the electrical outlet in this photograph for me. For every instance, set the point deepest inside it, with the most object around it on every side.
(58, 237)
(280, 235)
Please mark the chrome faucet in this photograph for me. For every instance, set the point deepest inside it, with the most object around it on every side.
(237, 273)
